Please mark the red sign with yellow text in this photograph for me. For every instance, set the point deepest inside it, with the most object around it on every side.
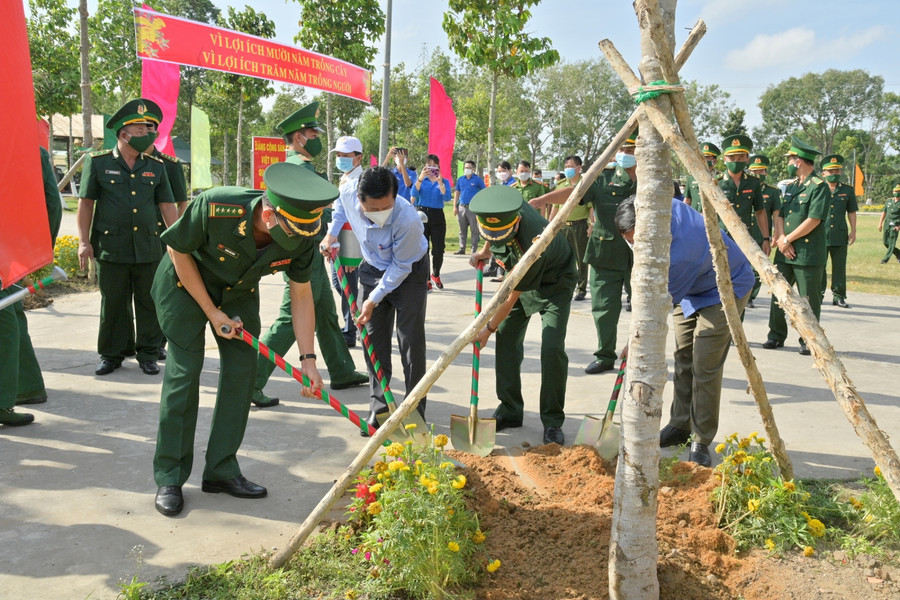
(266, 151)
(172, 39)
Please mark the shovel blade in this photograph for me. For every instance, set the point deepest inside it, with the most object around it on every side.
(590, 430)
(420, 434)
(608, 444)
(482, 438)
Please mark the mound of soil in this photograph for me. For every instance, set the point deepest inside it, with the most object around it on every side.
(547, 512)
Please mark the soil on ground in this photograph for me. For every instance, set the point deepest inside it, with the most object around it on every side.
(44, 297)
(547, 512)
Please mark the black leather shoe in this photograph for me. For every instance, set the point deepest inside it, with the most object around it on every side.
(672, 436)
(372, 420)
(161, 355)
(239, 487)
(884, 262)
(106, 367)
(459, 252)
(598, 367)
(504, 423)
(750, 304)
(261, 400)
(149, 367)
(10, 417)
(627, 306)
(169, 500)
(554, 435)
(804, 350)
(772, 344)
(580, 295)
(354, 380)
(840, 302)
(700, 454)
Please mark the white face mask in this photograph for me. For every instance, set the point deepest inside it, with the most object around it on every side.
(524, 176)
(503, 175)
(469, 172)
(379, 217)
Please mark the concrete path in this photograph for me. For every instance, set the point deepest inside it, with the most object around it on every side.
(76, 488)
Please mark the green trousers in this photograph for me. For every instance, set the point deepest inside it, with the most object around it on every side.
(576, 233)
(606, 306)
(122, 284)
(510, 353)
(280, 336)
(809, 285)
(701, 347)
(889, 237)
(838, 273)
(20, 373)
(180, 398)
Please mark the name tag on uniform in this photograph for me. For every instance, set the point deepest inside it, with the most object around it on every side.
(110, 172)
(148, 174)
(227, 251)
(278, 263)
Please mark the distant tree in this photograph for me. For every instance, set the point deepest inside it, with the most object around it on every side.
(54, 62)
(114, 64)
(493, 36)
(709, 107)
(734, 125)
(346, 30)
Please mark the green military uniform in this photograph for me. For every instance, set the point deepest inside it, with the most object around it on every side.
(217, 231)
(21, 381)
(546, 289)
(692, 188)
(804, 199)
(837, 235)
(125, 237)
(280, 336)
(576, 233)
(772, 201)
(610, 258)
(891, 220)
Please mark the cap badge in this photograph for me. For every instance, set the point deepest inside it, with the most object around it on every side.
(492, 220)
(735, 142)
(141, 109)
(758, 161)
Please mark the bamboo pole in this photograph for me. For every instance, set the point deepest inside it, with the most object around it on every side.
(465, 338)
(795, 307)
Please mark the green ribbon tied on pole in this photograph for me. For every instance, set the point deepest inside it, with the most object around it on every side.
(654, 89)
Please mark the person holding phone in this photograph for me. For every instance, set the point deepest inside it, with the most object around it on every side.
(429, 195)
(405, 176)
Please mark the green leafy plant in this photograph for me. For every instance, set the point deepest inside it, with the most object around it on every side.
(875, 515)
(131, 590)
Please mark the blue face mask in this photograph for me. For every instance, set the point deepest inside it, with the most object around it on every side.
(343, 163)
(626, 161)
(569, 172)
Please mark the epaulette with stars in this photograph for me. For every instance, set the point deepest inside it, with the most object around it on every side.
(815, 179)
(165, 156)
(101, 152)
(152, 157)
(226, 210)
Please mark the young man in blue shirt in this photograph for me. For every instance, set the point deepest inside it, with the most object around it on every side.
(429, 194)
(702, 336)
(466, 187)
(405, 176)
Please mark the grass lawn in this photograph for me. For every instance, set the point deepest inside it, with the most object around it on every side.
(865, 273)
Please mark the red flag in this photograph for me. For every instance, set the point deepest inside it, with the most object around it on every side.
(160, 82)
(442, 128)
(373, 162)
(24, 232)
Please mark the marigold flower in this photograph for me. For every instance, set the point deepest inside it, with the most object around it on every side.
(744, 443)
(408, 442)
(770, 545)
(720, 448)
(394, 450)
(805, 514)
(433, 488)
(493, 566)
(753, 505)
(808, 551)
(816, 527)
(397, 465)
(441, 440)
(761, 440)
(478, 537)
(855, 503)
(374, 508)
(878, 471)
(409, 426)
(350, 595)
(380, 467)
(454, 547)
(460, 482)
(374, 489)
(789, 486)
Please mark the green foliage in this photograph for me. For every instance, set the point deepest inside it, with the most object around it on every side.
(54, 57)
(756, 506)
(709, 106)
(735, 123)
(347, 30)
(875, 515)
(115, 68)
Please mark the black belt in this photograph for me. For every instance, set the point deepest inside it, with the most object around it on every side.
(570, 223)
(427, 208)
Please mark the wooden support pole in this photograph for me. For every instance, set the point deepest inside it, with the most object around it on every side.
(795, 307)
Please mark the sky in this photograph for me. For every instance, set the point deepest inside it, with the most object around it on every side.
(749, 45)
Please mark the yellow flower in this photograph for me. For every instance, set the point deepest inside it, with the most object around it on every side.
(805, 514)
(374, 508)
(720, 448)
(789, 486)
(731, 438)
(460, 482)
(446, 465)
(855, 503)
(440, 441)
(753, 505)
(761, 440)
(877, 471)
(398, 465)
(433, 488)
(748, 471)
(808, 551)
(376, 488)
(380, 467)
(816, 527)
(869, 518)
(408, 442)
(753, 489)
(493, 566)
(350, 595)
(754, 435)
(770, 545)
(454, 547)
(744, 443)
(478, 537)
(409, 426)
(394, 450)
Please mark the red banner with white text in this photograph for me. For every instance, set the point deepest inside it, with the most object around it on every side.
(172, 39)
(266, 151)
